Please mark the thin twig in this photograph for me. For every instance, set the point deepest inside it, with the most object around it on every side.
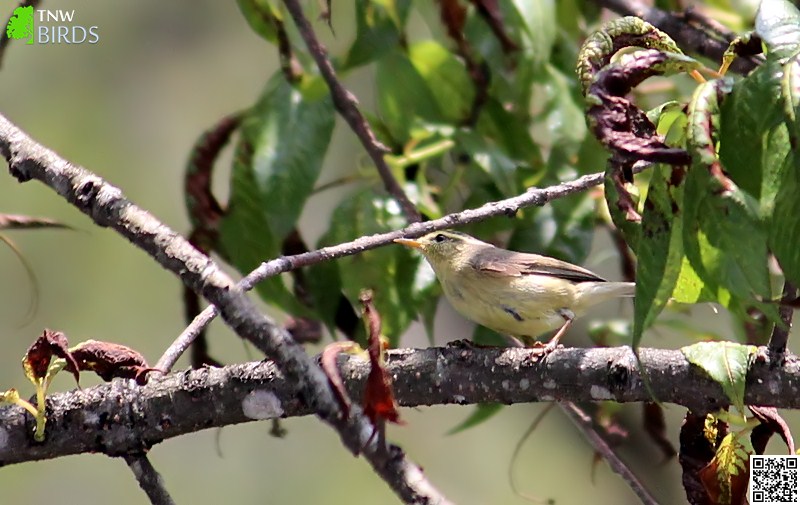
(780, 333)
(508, 207)
(120, 417)
(107, 206)
(347, 105)
(699, 40)
(149, 479)
(585, 425)
(4, 40)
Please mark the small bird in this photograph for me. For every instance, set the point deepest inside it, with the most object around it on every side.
(513, 293)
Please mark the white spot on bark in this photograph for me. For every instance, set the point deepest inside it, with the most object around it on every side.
(524, 384)
(550, 384)
(3, 438)
(600, 393)
(459, 398)
(261, 404)
(773, 387)
(506, 384)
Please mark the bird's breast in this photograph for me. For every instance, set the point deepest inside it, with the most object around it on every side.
(519, 306)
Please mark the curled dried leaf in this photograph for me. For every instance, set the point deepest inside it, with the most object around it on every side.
(328, 364)
(619, 124)
(379, 401)
(771, 422)
(110, 360)
(36, 361)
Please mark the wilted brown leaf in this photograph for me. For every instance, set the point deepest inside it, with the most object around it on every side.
(37, 359)
(379, 402)
(109, 360)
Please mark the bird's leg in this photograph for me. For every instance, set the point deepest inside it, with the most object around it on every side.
(552, 344)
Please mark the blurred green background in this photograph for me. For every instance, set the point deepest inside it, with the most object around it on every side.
(129, 109)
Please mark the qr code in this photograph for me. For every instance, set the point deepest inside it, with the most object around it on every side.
(773, 480)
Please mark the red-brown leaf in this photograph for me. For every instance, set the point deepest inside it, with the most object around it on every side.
(109, 360)
(50, 343)
(379, 402)
(772, 423)
(327, 361)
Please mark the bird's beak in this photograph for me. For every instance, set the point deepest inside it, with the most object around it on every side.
(409, 242)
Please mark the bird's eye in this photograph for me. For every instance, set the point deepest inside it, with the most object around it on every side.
(439, 238)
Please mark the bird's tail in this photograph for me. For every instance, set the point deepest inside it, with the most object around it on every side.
(599, 292)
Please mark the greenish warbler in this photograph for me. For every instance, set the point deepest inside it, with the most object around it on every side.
(518, 294)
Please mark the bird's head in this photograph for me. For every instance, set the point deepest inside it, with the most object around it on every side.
(445, 248)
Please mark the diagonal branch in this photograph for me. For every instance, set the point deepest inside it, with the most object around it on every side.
(120, 417)
(107, 206)
(277, 266)
(149, 479)
(347, 105)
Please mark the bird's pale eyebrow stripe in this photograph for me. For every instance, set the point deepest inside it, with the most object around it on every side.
(512, 312)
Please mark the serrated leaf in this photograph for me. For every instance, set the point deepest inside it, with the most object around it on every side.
(660, 249)
(283, 142)
(725, 240)
(725, 477)
(482, 413)
(726, 363)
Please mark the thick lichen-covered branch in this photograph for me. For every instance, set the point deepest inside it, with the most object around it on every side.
(120, 417)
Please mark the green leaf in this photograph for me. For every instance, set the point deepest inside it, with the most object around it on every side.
(690, 287)
(492, 159)
(379, 25)
(752, 137)
(404, 96)
(778, 25)
(510, 132)
(446, 77)
(784, 233)
(481, 414)
(538, 22)
(262, 16)
(563, 229)
(324, 286)
(660, 249)
(725, 240)
(279, 156)
(725, 362)
(563, 117)
(631, 230)
(393, 272)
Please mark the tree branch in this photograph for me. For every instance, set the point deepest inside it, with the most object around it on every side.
(704, 40)
(277, 266)
(149, 479)
(347, 105)
(120, 417)
(107, 206)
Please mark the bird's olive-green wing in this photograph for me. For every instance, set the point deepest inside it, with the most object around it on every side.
(503, 262)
